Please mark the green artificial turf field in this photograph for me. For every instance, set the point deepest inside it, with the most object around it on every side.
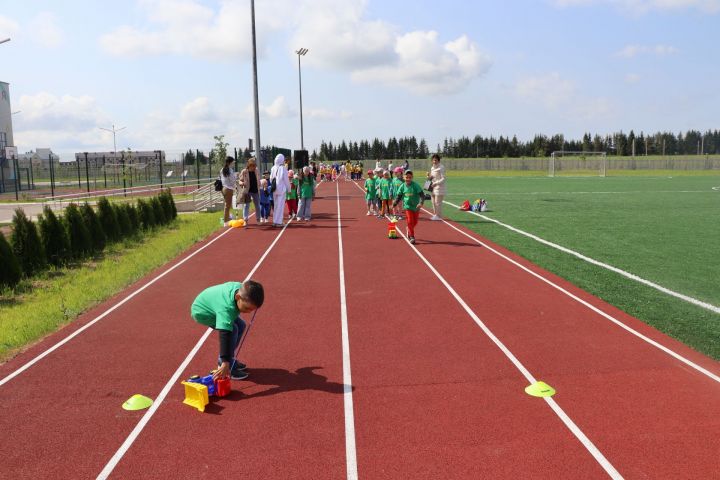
(665, 229)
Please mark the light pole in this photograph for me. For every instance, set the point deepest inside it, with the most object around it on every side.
(6, 40)
(258, 150)
(301, 53)
(114, 132)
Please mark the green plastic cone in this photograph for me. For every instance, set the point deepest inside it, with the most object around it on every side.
(540, 389)
(137, 402)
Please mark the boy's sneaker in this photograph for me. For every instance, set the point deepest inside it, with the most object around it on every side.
(239, 371)
(368, 213)
(412, 240)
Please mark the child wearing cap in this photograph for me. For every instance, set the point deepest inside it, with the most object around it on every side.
(413, 199)
(291, 195)
(219, 307)
(370, 193)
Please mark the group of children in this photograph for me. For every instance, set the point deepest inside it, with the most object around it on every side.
(302, 189)
(383, 195)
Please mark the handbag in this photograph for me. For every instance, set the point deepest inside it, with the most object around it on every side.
(427, 185)
(218, 185)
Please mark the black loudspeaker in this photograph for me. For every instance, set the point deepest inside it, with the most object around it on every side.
(302, 159)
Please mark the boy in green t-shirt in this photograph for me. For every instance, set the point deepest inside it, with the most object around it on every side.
(413, 198)
(219, 307)
(370, 192)
(307, 193)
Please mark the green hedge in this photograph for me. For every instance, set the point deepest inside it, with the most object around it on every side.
(26, 244)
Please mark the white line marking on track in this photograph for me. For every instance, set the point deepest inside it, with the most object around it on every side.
(489, 194)
(595, 309)
(173, 380)
(594, 451)
(631, 276)
(350, 451)
(107, 312)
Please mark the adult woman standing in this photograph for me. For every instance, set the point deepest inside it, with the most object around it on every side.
(436, 175)
(279, 176)
(248, 187)
(228, 178)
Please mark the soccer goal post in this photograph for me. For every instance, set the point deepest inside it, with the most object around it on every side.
(577, 164)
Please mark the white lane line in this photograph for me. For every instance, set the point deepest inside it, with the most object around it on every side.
(173, 380)
(631, 276)
(350, 451)
(107, 312)
(490, 194)
(595, 309)
(594, 451)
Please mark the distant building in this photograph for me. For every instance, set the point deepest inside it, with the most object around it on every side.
(40, 158)
(149, 157)
(6, 132)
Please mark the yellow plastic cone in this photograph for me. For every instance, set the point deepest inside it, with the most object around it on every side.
(137, 402)
(540, 389)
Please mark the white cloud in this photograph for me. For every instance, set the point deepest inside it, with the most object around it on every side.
(630, 51)
(8, 27)
(555, 93)
(337, 32)
(184, 27)
(45, 31)
(279, 108)
(632, 78)
(325, 114)
(425, 66)
(60, 122)
(644, 6)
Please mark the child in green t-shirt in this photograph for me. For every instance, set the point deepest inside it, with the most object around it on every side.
(307, 193)
(413, 198)
(397, 182)
(219, 307)
(370, 192)
(384, 185)
(292, 195)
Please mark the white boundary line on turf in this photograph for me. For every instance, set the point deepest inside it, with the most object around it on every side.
(112, 463)
(587, 443)
(350, 450)
(631, 276)
(595, 309)
(107, 312)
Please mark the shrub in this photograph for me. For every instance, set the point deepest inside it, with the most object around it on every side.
(108, 220)
(158, 211)
(54, 238)
(26, 244)
(78, 233)
(133, 216)
(168, 204)
(97, 234)
(10, 272)
(145, 212)
(123, 221)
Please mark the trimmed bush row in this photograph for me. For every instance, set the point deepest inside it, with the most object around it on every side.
(79, 234)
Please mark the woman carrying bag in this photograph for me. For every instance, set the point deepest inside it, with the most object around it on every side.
(248, 189)
(228, 177)
(436, 186)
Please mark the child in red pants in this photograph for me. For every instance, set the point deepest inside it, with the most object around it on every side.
(413, 198)
(291, 195)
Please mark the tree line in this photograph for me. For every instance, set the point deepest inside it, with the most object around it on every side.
(691, 142)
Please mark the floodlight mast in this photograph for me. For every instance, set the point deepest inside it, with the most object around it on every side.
(301, 53)
(5, 40)
(258, 150)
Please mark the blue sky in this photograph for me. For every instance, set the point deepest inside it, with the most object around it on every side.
(177, 72)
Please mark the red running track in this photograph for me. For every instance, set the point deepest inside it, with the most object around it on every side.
(433, 396)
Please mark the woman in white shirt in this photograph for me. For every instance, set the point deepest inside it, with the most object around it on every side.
(228, 178)
(436, 175)
(279, 173)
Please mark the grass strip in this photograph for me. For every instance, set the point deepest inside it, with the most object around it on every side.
(41, 305)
